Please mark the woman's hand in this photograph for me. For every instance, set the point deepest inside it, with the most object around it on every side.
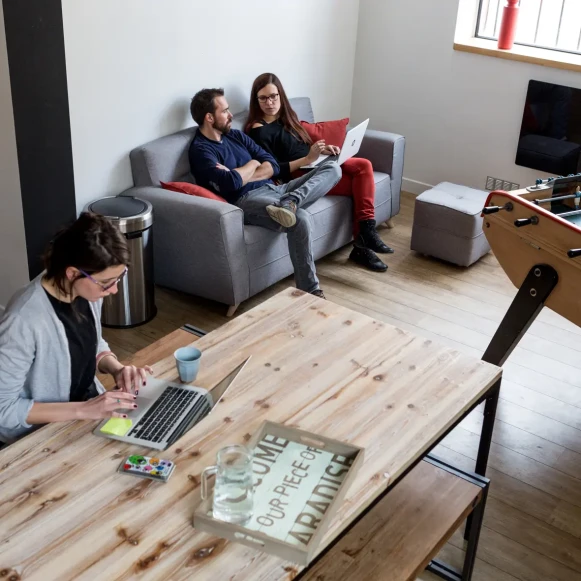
(316, 150)
(130, 378)
(332, 150)
(106, 404)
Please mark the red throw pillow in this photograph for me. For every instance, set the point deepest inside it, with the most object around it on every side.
(192, 190)
(333, 132)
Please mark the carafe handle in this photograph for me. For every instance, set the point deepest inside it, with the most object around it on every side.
(206, 473)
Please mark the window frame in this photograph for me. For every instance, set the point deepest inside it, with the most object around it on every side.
(540, 46)
(465, 40)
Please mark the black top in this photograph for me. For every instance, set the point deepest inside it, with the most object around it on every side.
(81, 334)
(283, 145)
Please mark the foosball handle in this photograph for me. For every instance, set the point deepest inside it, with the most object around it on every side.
(574, 252)
(493, 209)
(526, 221)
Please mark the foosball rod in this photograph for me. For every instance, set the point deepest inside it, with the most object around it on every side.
(566, 214)
(557, 198)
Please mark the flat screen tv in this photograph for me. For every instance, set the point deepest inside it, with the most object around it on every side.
(550, 135)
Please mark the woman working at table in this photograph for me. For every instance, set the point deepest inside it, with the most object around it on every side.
(274, 125)
(50, 335)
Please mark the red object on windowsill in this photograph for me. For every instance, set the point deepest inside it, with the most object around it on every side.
(508, 26)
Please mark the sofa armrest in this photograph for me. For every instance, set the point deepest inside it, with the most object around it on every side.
(386, 152)
(198, 245)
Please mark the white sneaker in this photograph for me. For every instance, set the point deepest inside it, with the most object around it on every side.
(285, 215)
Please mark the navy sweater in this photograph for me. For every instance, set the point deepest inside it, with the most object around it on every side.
(234, 150)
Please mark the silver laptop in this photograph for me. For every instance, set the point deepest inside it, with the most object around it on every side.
(350, 147)
(165, 412)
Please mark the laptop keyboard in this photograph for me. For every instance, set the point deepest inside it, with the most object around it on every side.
(161, 418)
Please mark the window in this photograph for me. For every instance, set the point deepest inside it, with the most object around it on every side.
(551, 24)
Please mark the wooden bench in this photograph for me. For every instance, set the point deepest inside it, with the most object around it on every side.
(401, 534)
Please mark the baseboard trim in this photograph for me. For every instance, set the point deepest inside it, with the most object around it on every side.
(414, 187)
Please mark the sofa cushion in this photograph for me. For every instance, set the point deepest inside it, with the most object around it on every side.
(332, 132)
(164, 159)
(192, 190)
(265, 246)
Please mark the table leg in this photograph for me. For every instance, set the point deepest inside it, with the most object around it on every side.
(485, 441)
(487, 429)
(474, 526)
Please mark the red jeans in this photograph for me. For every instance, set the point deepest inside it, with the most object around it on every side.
(357, 181)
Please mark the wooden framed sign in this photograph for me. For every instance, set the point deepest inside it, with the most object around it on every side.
(300, 479)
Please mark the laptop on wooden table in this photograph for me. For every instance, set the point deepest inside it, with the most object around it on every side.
(165, 412)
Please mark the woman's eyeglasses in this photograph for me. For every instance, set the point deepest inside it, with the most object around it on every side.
(265, 98)
(104, 286)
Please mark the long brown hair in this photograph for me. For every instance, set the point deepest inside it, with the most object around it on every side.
(286, 114)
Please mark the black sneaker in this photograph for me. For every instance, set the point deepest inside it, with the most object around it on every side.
(367, 258)
(285, 214)
(369, 238)
(319, 293)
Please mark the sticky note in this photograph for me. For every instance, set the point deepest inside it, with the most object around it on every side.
(117, 426)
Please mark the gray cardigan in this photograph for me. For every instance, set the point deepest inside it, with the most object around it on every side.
(35, 363)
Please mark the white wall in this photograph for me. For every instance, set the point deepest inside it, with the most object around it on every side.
(460, 113)
(133, 66)
(13, 258)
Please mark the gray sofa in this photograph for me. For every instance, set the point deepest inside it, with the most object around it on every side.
(202, 246)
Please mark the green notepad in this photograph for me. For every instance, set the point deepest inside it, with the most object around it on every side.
(117, 427)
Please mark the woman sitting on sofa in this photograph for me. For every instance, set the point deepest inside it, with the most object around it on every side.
(50, 335)
(274, 125)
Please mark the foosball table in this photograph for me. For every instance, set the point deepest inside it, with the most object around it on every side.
(535, 233)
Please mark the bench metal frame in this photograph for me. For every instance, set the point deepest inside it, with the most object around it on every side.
(473, 527)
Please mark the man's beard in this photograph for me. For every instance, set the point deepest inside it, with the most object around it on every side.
(223, 129)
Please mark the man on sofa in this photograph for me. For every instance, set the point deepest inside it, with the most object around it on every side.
(229, 163)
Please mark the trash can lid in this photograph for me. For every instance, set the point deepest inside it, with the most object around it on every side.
(128, 213)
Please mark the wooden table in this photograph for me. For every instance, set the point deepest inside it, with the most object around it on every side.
(67, 514)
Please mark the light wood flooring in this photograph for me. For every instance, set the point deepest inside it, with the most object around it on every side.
(532, 528)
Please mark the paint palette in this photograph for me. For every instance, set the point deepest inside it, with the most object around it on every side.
(147, 467)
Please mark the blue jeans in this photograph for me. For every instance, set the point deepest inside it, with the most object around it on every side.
(304, 191)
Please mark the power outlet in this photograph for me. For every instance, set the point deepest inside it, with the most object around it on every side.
(499, 184)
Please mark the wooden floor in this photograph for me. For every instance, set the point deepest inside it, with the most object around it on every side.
(532, 528)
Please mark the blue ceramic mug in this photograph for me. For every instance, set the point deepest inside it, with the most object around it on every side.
(188, 363)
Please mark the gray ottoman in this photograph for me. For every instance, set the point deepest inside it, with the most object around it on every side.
(448, 225)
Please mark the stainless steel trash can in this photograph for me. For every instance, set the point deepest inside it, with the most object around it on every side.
(134, 303)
